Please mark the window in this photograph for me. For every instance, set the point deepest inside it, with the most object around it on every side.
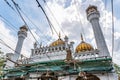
(52, 49)
(63, 48)
(59, 48)
(56, 48)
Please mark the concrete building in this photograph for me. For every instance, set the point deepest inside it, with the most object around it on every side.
(59, 60)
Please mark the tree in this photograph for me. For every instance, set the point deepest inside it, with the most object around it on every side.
(117, 69)
(2, 61)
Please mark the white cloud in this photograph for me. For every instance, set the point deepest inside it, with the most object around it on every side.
(69, 19)
(7, 37)
(11, 41)
(72, 19)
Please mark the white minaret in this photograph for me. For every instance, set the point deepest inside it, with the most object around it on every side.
(22, 34)
(93, 16)
(66, 42)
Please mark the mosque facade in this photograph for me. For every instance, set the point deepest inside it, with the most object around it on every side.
(59, 60)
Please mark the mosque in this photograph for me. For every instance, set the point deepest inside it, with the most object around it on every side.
(59, 60)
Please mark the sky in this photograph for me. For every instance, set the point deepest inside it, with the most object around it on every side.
(68, 18)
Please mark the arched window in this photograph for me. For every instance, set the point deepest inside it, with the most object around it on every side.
(36, 52)
(59, 48)
(52, 49)
(56, 48)
(63, 48)
(49, 49)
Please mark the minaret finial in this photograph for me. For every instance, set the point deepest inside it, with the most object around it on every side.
(59, 35)
(81, 37)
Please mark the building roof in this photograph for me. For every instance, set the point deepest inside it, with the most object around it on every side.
(57, 42)
(83, 46)
(60, 66)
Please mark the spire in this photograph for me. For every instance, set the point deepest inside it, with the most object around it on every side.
(59, 35)
(35, 45)
(81, 37)
(40, 44)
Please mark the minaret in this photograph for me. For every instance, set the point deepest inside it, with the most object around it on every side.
(22, 34)
(66, 42)
(93, 16)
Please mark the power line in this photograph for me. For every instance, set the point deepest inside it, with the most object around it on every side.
(18, 8)
(54, 16)
(16, 5)
(32, 23)
(7, 37)
(24, 15)
(8, 23)
(112, 27)
(39, 5)
(9, 5)
(82, 30)
(2, 42)
(49, 22)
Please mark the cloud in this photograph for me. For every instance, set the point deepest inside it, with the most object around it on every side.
(7, 37)
(71, 17)
(73, 20)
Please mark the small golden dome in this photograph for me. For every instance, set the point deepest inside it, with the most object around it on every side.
(83, 46)
(57, 42)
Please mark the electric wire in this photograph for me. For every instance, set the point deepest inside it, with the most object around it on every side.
(48, 19)
(8, 23)
(5, 44)
(7, 37)
(35, 26)
(82, 30)
(17, 8)
(2, 42)
(39, 5)
(11, 27)
(112, 28)
(16, 5)
(33, 23)
(25, 16)
(9, 5)
(49, 22)
(105, 12)
(54, 16)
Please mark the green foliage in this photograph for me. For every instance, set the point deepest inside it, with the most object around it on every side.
(2, 61)
(117, 69)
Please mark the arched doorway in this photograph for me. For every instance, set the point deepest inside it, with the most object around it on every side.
(48, 76)
(19, 78)
(87, 76)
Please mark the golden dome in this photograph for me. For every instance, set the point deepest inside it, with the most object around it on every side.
(83, 46)
(57, 42)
